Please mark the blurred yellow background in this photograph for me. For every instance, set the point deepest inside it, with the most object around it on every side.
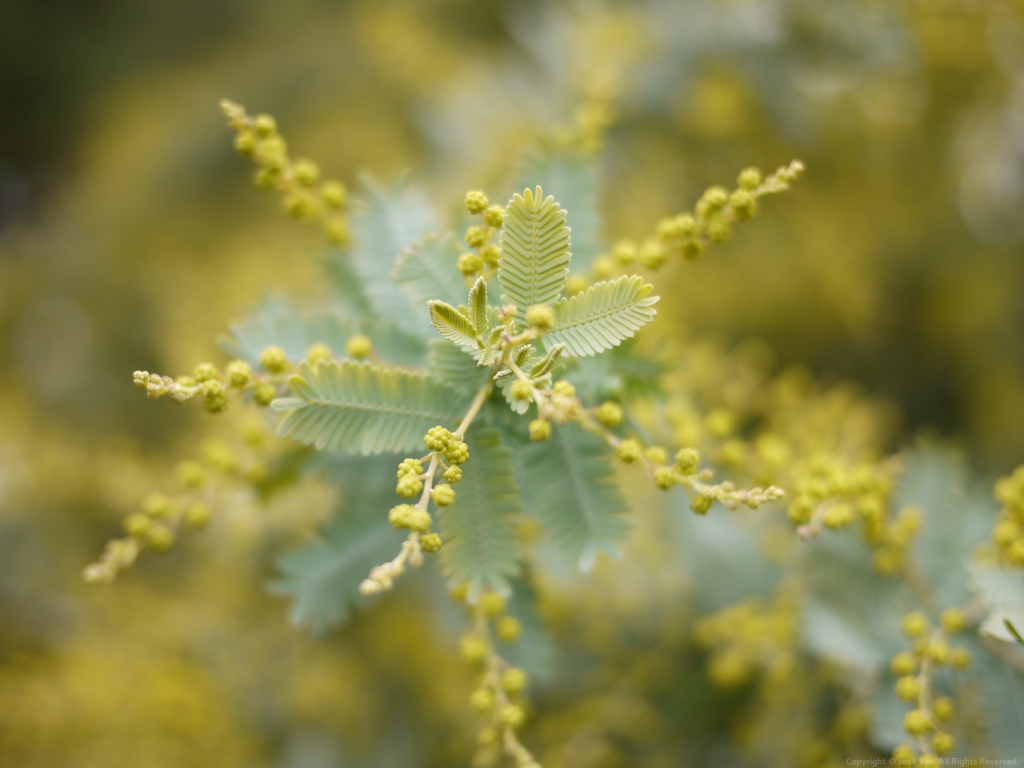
(131, 237)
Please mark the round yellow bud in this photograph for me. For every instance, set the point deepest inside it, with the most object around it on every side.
(264, 393)
(513, 680)
(960, 658)
(903, 663)
(430, 542)
(334, 194)
(914, 624)
(274, 359)
(492, 604)
(159, 537)
(494, 216)
(943, 708)
(630, 450)
(472, 649)
(749, 178)
(609, 414)
(482, 700)
(521, 390)
(317, 352)
(469, 264)
(508, 628)
(701, 504)
(540, 430)
(624, 253)
(204, 372)
(307, 173)
(476, 202)
(952, 620)
(336, 231)
(916, 723)
(908, 688)
(239, 373)
(137, 524)
(197, 515)
(656, 454)
(245, 143)
(512, 716)
(265, 126)
(541, 317)
(943, 743)
(359, 347)
(904, 755)
(565, 388)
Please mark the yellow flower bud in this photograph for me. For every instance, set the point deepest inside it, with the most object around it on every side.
(359, 347)
(274, 359)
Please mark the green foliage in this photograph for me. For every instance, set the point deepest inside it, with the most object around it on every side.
(361, 408)
(426, 270)
(281, 324)
(535, 251)
(454, 326)
(479, 528)
(449, 364)
(567, 483)
(383, 226)
(322, 576)
(603, 316)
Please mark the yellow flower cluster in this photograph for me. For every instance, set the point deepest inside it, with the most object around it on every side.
(1008, 533)
(304, 196)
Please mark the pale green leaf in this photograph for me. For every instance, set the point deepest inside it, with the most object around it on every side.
(568, 484)
(427, 270)
(384, 224)
(478, 530)
(283, 324)
(546, 363)
(322, 576)
(602, 316)
(449, 364)
(534, 251)
(478, 307)
(360, 408)
(453, 325)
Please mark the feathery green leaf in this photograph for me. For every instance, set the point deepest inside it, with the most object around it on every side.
(360, 408)
(453, 325)
(570, 489)
(602, 316)
(427, 270)
(478, 530)
(534, 251)
(449, 364)
(281, 323)
(385, 223)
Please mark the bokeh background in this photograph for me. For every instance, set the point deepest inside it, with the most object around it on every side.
(131, 237)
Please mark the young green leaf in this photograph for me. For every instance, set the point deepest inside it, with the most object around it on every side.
(548, 361)
(426, 270)
(602, 316)
(478, 530)
(478, 306)
(453, 325)
(534, 251)
(360, 408)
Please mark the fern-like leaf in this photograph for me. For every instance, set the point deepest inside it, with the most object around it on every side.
(322, 576)
(453, 325)
(570, 489)
(427, 270)
(478, 307)
(603, 316)
(360, 408)
(479, 528)
(384, 224)
(534, 251)
(449, 364)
